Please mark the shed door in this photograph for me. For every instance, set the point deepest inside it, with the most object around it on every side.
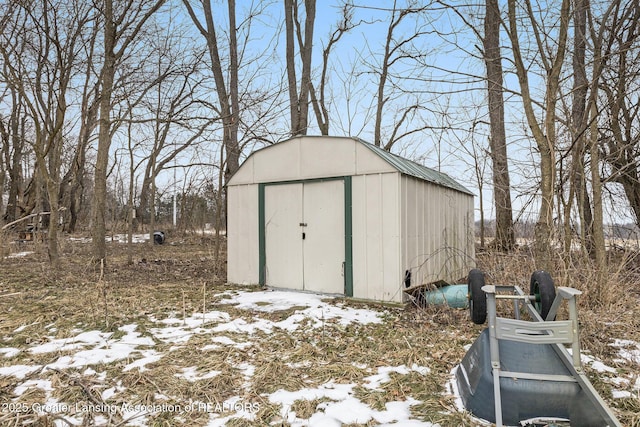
(323, 246)
(304, 236)
(283, 245)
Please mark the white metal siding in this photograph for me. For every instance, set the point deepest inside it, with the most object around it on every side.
(437, 231)
(376, 237)
(242, 234)
(298, 159)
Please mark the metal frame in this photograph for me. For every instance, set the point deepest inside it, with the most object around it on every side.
(556, 333)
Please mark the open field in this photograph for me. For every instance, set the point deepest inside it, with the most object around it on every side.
(165, 342)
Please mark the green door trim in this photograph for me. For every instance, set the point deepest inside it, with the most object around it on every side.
(348, 238)
(348, 229)
(262, 244)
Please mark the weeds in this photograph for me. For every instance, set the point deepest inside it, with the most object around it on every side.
(178, 281)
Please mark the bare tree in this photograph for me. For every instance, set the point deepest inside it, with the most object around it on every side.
(122, 26)
(13, 143)
(228, 97)
(4, 148)
(318, 98)
(400, 74)
(228, 101)
(602, 53)
(14, 125)
(246, 111)
(54, 35)
(72, 185)
(505, 238)
(476, 156)
(173, 114)
(133, 167)
(4, 132)
(620, 85)
(299, 100)
(392, 54)
(543, 133)
(578, 127)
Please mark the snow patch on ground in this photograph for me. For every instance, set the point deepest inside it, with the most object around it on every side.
(20, 254)
(116, 238)
(33, 384)
(148, 356)
(628, 350)
(628, 353)
(9, 351)
(317, 311)
(341, 408)
(595, 364)
(374, 382)
(18, 371)
(192, 375)
(335, 403)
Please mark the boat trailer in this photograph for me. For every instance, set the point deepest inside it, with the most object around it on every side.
(520, 372)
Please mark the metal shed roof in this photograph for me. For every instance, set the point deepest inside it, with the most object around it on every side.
(411, 168)
(395, 162)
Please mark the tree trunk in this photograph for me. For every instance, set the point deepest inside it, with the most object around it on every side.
(305, 52)
(2, 180)
(52, 236)
(111, 38)
(130, 216)
(299, 101)
(152, 207)
(73, 182)
(382, 81)
(545, 135)
(578, 129)
(76, 188)
(505, 239)
(54, 156)
(599, 249)
(231, 144)
(318, 100)
(15, 170)
(98, 230)
(227, 100)
(290, 54)
(543, 228)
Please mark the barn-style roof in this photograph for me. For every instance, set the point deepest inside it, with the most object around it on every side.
(309, 157)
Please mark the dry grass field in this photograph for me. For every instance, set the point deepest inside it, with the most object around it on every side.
(164, 341)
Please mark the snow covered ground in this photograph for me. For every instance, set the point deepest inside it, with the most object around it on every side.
(239, 321)
(89, 351)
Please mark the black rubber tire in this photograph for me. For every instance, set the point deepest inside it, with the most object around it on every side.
(544, 290)
(477, 297)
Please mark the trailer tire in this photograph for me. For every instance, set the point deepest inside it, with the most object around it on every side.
(544, 290)
(477, 297)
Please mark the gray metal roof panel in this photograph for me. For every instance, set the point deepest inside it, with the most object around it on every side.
(416, 170)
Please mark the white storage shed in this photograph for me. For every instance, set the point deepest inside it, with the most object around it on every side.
(338, 215)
